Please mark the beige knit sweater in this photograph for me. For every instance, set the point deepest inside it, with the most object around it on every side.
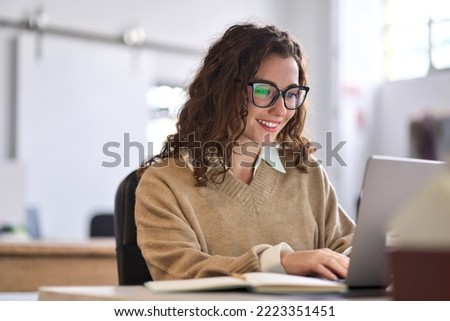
(187, 232)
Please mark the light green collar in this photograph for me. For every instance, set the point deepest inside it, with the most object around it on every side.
(270, 155)
(267, 153)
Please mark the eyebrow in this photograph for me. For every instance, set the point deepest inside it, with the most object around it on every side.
(272, 83)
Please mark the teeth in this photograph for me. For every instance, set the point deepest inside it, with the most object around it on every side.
(267, 123)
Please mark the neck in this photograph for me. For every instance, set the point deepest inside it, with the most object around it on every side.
(243, 160)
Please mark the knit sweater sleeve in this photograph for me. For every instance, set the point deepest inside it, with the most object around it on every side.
(338, 227)
(170, 244)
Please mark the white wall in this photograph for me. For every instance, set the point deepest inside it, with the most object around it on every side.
(73, 127)
(359, 74)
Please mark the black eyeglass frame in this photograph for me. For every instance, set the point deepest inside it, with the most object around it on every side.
(281, 93)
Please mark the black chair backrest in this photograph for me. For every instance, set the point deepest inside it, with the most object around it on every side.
(102, 225)
(132, 268)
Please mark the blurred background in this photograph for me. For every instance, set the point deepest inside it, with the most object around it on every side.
(89, 88)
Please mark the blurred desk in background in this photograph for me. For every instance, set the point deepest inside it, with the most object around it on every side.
(26, 265)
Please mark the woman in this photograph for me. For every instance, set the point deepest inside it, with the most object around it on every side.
(235, 189)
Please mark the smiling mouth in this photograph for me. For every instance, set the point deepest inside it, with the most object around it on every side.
(268, 124)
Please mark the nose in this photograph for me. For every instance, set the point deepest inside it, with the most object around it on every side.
(278, 107)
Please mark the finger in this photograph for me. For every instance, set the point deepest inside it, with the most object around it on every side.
(339, 270)
(338, 267)
(324, 272)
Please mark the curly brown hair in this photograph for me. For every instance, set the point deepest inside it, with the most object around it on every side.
(214, 116)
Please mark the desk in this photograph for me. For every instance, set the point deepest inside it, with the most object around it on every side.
(140, 293)
(27, 265)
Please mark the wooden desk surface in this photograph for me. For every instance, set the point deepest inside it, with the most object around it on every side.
(93, 247)
(140, 293)
(27, 265)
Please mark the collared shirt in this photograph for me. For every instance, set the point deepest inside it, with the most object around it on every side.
(270, 155)
(267, 153)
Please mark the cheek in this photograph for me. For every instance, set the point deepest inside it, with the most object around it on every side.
(252, 111)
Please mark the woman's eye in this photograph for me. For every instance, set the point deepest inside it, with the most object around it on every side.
(262, 91)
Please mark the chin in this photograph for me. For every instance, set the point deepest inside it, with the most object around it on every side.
(267, 140)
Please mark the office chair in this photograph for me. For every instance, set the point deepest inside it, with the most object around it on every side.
(131, 265)
(102, 225)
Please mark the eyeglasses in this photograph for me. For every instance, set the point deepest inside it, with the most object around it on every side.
(265, 95)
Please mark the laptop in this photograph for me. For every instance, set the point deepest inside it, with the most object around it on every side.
(388, 182)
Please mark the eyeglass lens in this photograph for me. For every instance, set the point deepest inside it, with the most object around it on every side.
(265, 95)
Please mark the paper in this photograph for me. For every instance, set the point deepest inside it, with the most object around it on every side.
(261, 282)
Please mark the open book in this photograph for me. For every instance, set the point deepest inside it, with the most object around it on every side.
(261, 282)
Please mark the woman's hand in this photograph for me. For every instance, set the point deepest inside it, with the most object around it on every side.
(323, 263)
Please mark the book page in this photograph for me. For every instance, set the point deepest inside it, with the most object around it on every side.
(201, 284)
(275, 282)
(255, 281)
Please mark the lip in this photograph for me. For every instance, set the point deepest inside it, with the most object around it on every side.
(269, 125)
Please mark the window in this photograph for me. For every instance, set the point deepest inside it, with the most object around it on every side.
(416, 38)
(164, 104)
